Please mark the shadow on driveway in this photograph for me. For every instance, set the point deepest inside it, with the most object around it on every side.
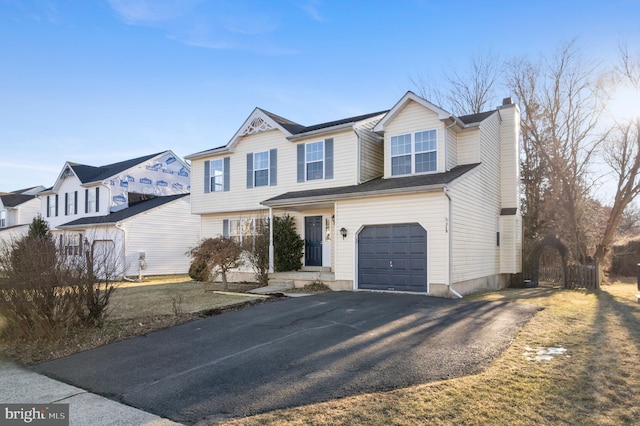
(294, 352)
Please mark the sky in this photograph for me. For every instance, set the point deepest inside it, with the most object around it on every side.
(101, 81)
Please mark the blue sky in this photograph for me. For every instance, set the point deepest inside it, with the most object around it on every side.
(100, 81)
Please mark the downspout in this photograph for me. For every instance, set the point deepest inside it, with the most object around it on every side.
(450, 272)
(124, 252)
(271, 251)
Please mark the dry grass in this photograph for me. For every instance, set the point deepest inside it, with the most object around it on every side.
(137, 309)
(597, 382)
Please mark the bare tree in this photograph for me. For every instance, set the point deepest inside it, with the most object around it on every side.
(470, 91)
(561, 104)
(220, 255)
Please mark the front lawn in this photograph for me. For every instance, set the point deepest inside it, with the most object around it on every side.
(596, 381)
(136, 309)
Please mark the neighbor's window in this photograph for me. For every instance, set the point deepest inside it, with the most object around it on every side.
(261, 168)
(314, 160)
(217, 175)
(91, 201)
(70, 203)
(73, 244)
(3, 218)
(52, 205)
(414, 153)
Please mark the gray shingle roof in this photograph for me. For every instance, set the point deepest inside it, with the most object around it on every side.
(132, 210)
(475, 118)
(93, 174)
(372, 187)
(15, 199)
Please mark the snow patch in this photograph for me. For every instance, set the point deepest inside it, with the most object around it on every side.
(544, 354)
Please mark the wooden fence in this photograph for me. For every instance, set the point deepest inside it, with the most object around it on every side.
(577, 276)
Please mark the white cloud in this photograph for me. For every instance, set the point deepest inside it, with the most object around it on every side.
(150, 12)
(310, 7)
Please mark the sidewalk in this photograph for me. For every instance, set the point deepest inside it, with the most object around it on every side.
(20, 386)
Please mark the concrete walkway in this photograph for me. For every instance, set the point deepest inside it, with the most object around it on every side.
(20, 386)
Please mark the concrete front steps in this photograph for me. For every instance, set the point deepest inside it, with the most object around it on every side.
(307, 275)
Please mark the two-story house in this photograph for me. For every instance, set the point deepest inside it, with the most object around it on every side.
(135, 211)
(411, 199)
(17, 210)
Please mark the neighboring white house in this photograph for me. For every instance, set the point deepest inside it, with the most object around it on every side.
(138, 209)
(410, 199)
(17, 210)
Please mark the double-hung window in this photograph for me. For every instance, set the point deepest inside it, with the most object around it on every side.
(73, 244)
(414, 153)
(52, 205)
(92, 200)
(217, 175)
(426, 153)
(261, 168)
(314, 160)
(3, 218)
(71, 203)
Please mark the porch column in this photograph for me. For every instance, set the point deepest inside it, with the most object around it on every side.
(270, 240)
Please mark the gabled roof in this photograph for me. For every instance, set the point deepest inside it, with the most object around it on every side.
(88, 174)
(378, 186)
(120, 215)
(263, 120)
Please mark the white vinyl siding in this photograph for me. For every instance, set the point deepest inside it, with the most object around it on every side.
(469, 147)
(411, 119)
(165, 252)
(241, 198)
(371, 158)
(452, 149)
(475, 208)
(427, 209)
(510, 156)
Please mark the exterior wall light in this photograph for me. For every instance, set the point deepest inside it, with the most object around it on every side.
(343, 232)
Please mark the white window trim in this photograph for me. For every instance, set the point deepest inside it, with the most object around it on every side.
(243, 227)
(73, 244)
(212, 176)
(323, 161)
(413, 153)
(268, 168)
(3, 218)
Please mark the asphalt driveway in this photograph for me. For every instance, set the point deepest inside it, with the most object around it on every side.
(295, 351)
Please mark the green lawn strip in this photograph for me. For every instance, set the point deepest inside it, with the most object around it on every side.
(595, 382)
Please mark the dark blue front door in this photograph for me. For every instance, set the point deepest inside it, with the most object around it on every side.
(313, 241)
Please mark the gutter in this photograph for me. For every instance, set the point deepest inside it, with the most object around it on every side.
(345, 126)
(450, 271)
(368, 194)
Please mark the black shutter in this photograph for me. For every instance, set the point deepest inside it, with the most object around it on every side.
(75, 202)
(66, 203)
(48, 202)
(226, 173)
(250, 170)
(273, 167)
(86, 200)
(207, 177)
(328, 158)
(57, 204)
(225, 228)
(301, 162)
(97, 199)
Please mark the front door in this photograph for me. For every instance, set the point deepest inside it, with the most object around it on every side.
(313, 241)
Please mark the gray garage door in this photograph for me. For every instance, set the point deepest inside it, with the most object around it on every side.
(393, 257)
